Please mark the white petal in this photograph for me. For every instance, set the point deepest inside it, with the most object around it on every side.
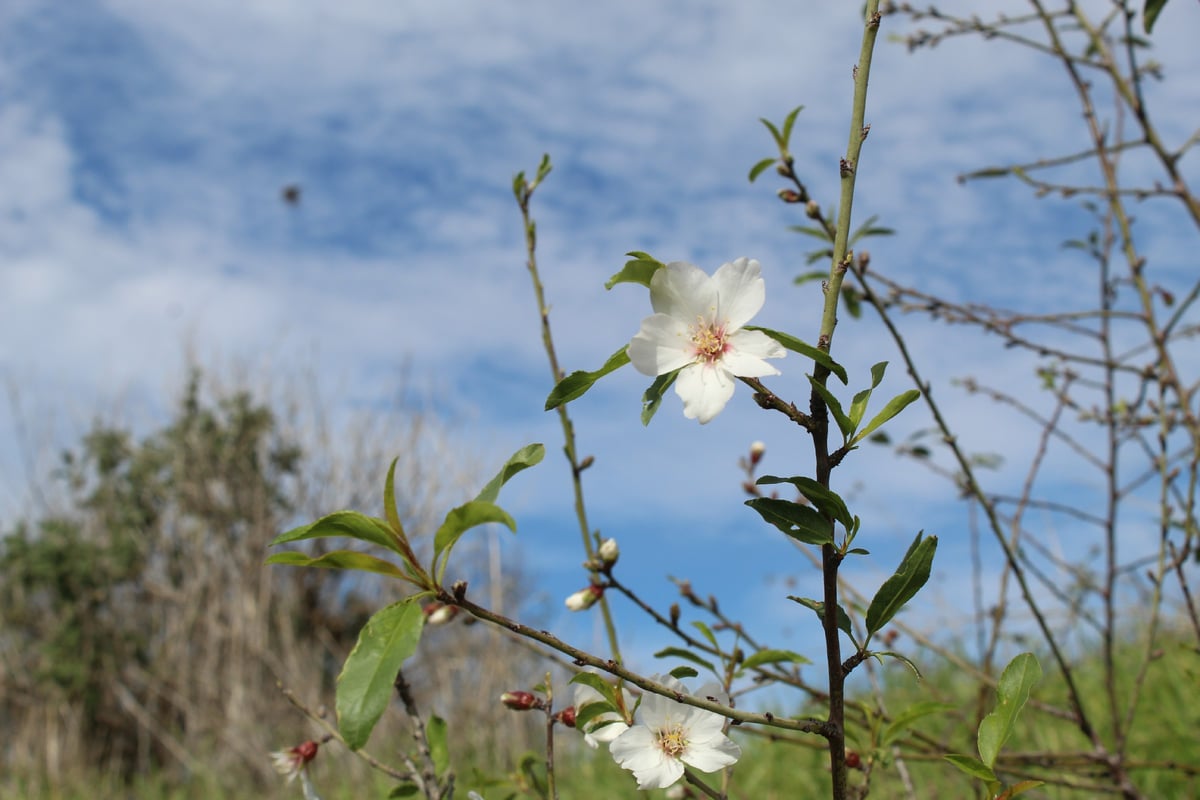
(712, 755)
(662, 345)
(741, 290)
(637, 751)
(683, 291)
(704, 390)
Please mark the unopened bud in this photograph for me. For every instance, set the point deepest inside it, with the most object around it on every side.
(585, 598)
(609, 552)
(519, 701)
(566, 716)
(789, 195)
(812, 210)
(674, 615)
(587, 462)
(756, 452)
(439, 613)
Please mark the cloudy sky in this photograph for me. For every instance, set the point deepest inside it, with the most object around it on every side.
(144, 144)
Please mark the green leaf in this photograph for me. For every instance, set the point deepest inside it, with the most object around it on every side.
(905, 719)
(843, 619)
(653, 396)
(1019, 789)
(707, 633)
(843, 422)
(758, 168)
(577, 383)
(678, 652)
(435, 732)
(897, 590)
(544, 168)
(825, 499)
(807, 350)
(462, 519)
(590, 711)
(817, 232)
(344, 523)
(406, 789)
(879, 655)
(868, 228)
(893, 407)
(773, 657)
(779, 142)
(1150, 12)
(814, 275)
(640, 270)
(802, 523)
(526, 457)
(1016, 682)
(679, 673)
(973, 767)
(606, 689)
(788, 122)
(389, 500)
(340, 559)
(366, 683)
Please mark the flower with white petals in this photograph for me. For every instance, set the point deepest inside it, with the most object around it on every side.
(603, 727)
(671, 735)
(697, 328)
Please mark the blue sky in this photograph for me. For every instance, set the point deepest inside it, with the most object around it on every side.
(143, 146)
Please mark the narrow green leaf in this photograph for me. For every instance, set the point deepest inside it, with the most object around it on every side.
(519, 185)
(406, 789)
(814, 275)
(816, 232)
(435, 732)
(544, 168)
(825, 499)
(1019, 789)
(788, 122)
(340, 559)
(679, 673)
(467, 516)
(527, 456)
(343, 523)
(365, 685)
(835, 407)
(758, 168)
(807, 350)
(640, 270)
(774, 133)
(879, 655)
(773, 657)
(973, 767)
(389, 500)
(590, 711)
(707, 632)
(1012, 692)
(678, 652)
(843, 619)
(577, 383)
(802, 523)
(897, 590)
(893, 407)
(606, 689)
(905, 719)
(1150, 12)
(653, 396)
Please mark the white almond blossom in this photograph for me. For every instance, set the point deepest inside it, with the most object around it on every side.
(670, 735)
(697, 329)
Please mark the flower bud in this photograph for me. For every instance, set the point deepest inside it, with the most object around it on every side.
(609, 552)
(789, 195)
(812, 210)
(439, 613)
(566, 716)
(756, 452)
(585, 598)
(519, 701)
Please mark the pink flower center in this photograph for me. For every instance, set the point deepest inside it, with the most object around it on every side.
(672, 741)
(709, 341)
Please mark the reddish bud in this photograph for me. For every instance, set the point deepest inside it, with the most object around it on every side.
(789, 195)
(566, 716)
(853, 759)
(519, 701)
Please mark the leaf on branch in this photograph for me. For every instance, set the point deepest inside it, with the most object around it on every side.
(652, 398)
(678, 652)
(526, 457)
(802, 523)
(772, 657)
(366, 683)
(844, 423)
(640, 270)
(973, 767)
(439, 751)
(758, 168)
(577, 383)
(897, 590)
(1150, 12)
(903, 721)
(344, 523)
(340, 559)
(825, 499)
(460, 520)
(893, 407)
(803, 348)
(1012, 692)
(843, 619)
